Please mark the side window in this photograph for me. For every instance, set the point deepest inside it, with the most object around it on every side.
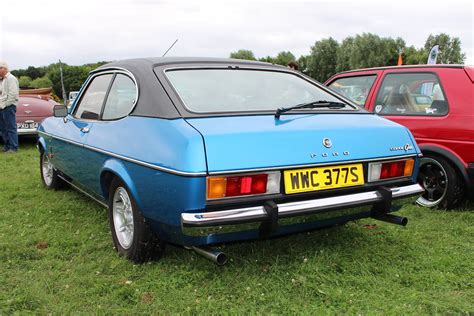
(411, 94)
(121, 98)
(90, 105)
(354, 88)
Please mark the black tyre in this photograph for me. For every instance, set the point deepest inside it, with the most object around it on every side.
(131, 234)
(443, 186)
(49, 174)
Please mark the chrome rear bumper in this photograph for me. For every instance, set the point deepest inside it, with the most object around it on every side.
(292, 209)
(27, 131)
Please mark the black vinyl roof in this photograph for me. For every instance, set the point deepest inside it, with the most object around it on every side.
(152, 62)
(153, 99)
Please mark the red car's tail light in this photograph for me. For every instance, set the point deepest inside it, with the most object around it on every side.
(242, 185)
(390, 169)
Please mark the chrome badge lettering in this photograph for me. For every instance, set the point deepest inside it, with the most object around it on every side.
(327, 142)
(407, 147)
(325, 155)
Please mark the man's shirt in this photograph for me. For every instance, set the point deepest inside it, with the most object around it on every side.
(9, 91)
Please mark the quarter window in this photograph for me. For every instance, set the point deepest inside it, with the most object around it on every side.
(91, 103)
(411, 94)
(121, 98)
(354, 88)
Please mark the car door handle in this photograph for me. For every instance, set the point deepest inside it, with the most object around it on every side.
(85, 129)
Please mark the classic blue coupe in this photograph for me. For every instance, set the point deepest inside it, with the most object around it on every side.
(199, 151)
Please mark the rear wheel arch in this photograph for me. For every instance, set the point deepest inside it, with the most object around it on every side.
(451, 157)
(114, 168)
(106, 179)
(455, 175)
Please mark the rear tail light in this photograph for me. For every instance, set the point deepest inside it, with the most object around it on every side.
(243, 185)
(390, 169)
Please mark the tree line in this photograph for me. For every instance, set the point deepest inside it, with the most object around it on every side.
(326, 57)
(49, 76)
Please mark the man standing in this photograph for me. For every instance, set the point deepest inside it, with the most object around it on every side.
(8, 100)
(1, 120)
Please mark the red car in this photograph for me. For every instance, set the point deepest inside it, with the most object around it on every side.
(436, 103)
(30, 111)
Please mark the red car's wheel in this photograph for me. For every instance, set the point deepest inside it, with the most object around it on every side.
(442, 184)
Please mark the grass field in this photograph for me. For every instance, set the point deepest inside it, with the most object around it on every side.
(56, 256)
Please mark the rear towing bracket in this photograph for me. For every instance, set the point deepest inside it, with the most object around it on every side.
(381, 210)
(271, 223)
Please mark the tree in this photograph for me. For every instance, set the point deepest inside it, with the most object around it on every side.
(283, 58)
(35, 72)
(243, 54)
(450, 48)
(268, 59)
(19, 73)
(323, 59)
(74, 76)
(370, 50)
(413, 56)
(344, 52)
(303, 64)
(24, 81)
(42, 82)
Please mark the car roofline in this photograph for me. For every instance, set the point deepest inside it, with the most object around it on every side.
(403, 67)
(152, 62)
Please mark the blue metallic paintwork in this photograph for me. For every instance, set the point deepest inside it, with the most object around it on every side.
(249, 142)
(172, 144)
(231, 143)
(118, 168)
(161, 196)
(66, 155)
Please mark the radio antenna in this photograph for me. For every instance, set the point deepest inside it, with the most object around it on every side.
(169, 48)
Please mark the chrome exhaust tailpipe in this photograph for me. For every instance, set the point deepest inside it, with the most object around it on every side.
(215, 256)
(394, 219)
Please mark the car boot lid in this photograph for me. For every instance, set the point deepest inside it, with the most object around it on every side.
(255, 142)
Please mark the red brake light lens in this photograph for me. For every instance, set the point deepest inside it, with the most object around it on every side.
(390, 169)
(246, 185)
(233, 186)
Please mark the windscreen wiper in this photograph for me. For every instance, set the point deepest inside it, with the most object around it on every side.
(311, 105)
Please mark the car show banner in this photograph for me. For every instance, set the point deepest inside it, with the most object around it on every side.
(433, 55)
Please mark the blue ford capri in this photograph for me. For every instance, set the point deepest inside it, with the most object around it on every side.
(198, 151)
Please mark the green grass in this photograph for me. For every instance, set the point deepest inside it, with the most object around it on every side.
(56, 256)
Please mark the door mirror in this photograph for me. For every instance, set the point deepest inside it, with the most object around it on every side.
(60, 111)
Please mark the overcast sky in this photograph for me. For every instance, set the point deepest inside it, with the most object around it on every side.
(37, 33)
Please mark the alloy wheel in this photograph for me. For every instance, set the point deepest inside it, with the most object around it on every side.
(47, 170)
(123, 217)
(432, 176)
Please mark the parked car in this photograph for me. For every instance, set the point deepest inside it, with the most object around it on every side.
(436, 103)
(72, 97)
(30, 111)
(196, 151)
